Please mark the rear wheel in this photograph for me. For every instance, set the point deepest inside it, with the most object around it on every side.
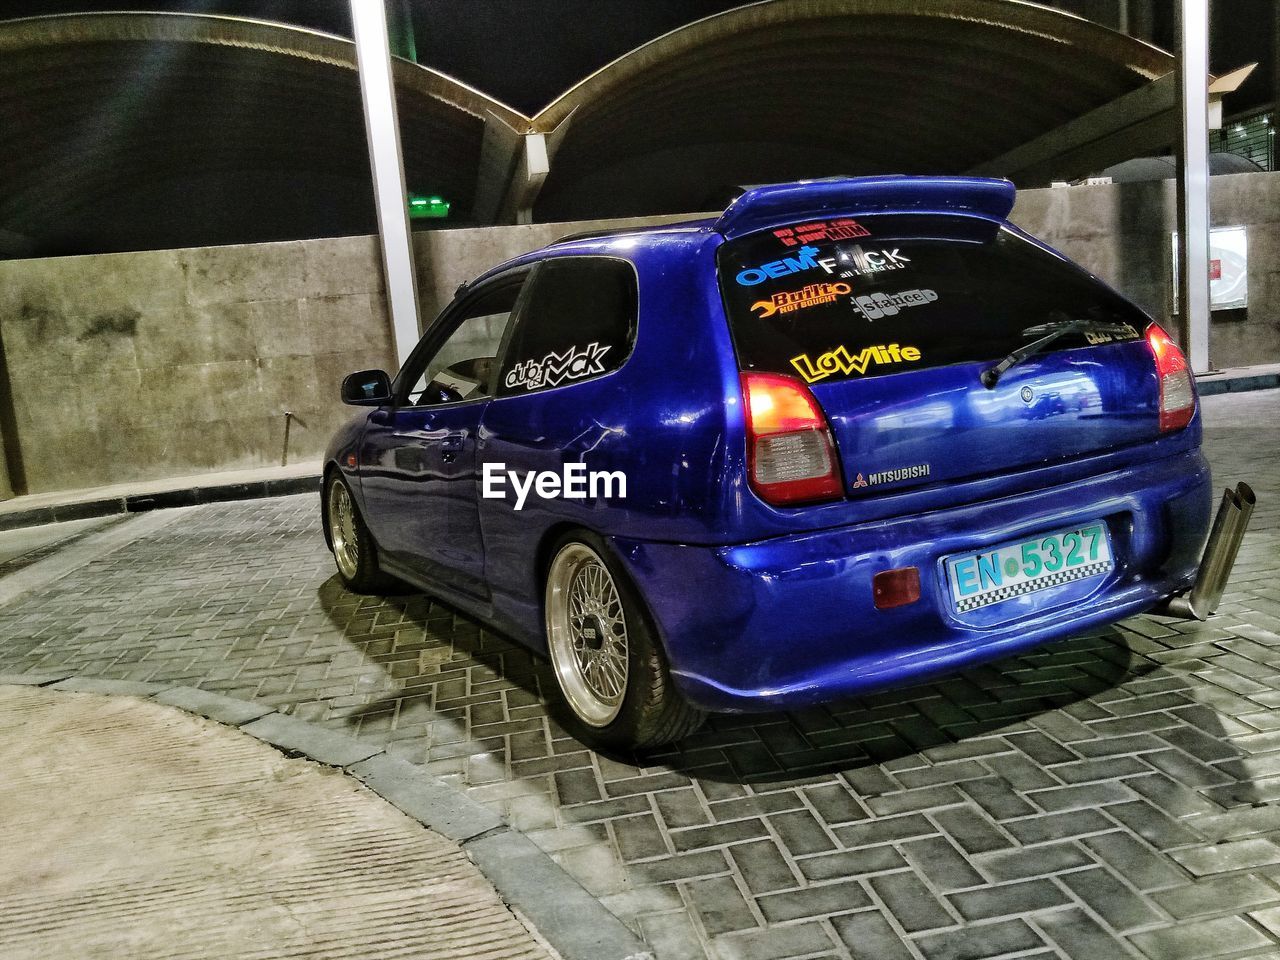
(606, 657)
(353, 548)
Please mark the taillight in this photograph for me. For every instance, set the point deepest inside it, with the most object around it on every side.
(789, 451)
(1177, 388)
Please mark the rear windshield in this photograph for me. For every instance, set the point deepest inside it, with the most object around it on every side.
(854, 298)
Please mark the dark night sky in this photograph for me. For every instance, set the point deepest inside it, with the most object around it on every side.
(526, 52)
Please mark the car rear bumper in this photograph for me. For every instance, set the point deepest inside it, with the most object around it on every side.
(790, 622)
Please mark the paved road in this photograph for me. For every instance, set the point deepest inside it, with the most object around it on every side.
(136, 830)
(1106, 796)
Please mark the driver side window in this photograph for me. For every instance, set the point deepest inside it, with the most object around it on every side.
(464, 366)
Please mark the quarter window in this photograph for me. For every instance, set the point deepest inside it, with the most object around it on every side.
(578, 322)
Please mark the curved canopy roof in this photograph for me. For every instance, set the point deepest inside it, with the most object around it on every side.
(134, 130)
(807, 88)
(137, 130)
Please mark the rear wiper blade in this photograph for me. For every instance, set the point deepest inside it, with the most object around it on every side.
(1048, 333)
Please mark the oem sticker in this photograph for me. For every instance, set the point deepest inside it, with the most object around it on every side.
(573, 364)
(805, 259)
(840, 360)
(792, 300)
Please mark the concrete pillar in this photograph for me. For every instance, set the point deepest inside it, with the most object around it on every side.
(532, 166)
(377, 90)
(1193, 183)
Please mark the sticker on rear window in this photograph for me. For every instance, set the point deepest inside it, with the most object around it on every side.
(811, 295)
(876, 305)
(857, 262)
(1130, 333)
(840, 360)
(842, 229)
(805, 259)
(952, 289)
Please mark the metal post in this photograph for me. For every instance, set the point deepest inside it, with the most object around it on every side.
(1193, 183)
(377, 90)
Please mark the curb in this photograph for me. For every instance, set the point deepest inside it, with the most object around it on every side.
(160, 500)
(1213, 386)
(562, 912)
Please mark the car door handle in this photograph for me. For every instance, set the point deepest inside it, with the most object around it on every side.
(451, 445)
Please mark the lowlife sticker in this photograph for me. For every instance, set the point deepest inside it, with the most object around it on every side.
(840, 360)
(555, 368)
(811, 295)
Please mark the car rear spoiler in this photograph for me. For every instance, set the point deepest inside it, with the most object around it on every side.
(780, 204)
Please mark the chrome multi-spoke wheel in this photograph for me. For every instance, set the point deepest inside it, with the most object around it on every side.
(342, 530)
(587, 634)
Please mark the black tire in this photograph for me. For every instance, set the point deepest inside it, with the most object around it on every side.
(361, 573)
(651, 711)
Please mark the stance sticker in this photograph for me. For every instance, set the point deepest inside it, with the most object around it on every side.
(840, 360)
(574, 364)
(842, 229)
(874, 306)
(809, 296)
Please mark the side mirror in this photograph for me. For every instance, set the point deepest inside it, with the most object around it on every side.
(367, 388)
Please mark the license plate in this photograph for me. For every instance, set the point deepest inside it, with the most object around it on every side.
(1016, 569)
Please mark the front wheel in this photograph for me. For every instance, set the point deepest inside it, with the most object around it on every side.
(606, 657)
(353, 548)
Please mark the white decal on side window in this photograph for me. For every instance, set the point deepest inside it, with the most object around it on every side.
(573, 364)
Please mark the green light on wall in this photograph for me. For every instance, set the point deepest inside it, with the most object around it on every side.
(427, 208)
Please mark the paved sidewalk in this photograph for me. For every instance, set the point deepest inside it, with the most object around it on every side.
(134, 830)
(67, 505)
(1116, 794)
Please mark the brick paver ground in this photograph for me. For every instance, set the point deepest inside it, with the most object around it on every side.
(1112, 795)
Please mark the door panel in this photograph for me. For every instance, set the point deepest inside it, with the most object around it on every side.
(418, 459)
(418, 469)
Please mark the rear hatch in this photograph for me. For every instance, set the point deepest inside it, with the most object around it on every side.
(891, 319)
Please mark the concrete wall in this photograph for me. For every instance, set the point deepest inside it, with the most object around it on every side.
(447, 258)
(143, 365)
(163, 363)
(1122, 233)
(134, 366)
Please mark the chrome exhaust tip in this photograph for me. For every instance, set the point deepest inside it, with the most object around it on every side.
(1220, 550)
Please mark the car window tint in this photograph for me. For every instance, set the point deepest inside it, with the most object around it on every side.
(463, 367)
(578, 322)
(855, 298)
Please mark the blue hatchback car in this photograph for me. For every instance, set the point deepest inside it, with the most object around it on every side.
(850, 434)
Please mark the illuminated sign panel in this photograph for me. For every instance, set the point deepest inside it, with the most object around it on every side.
(427, 208)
